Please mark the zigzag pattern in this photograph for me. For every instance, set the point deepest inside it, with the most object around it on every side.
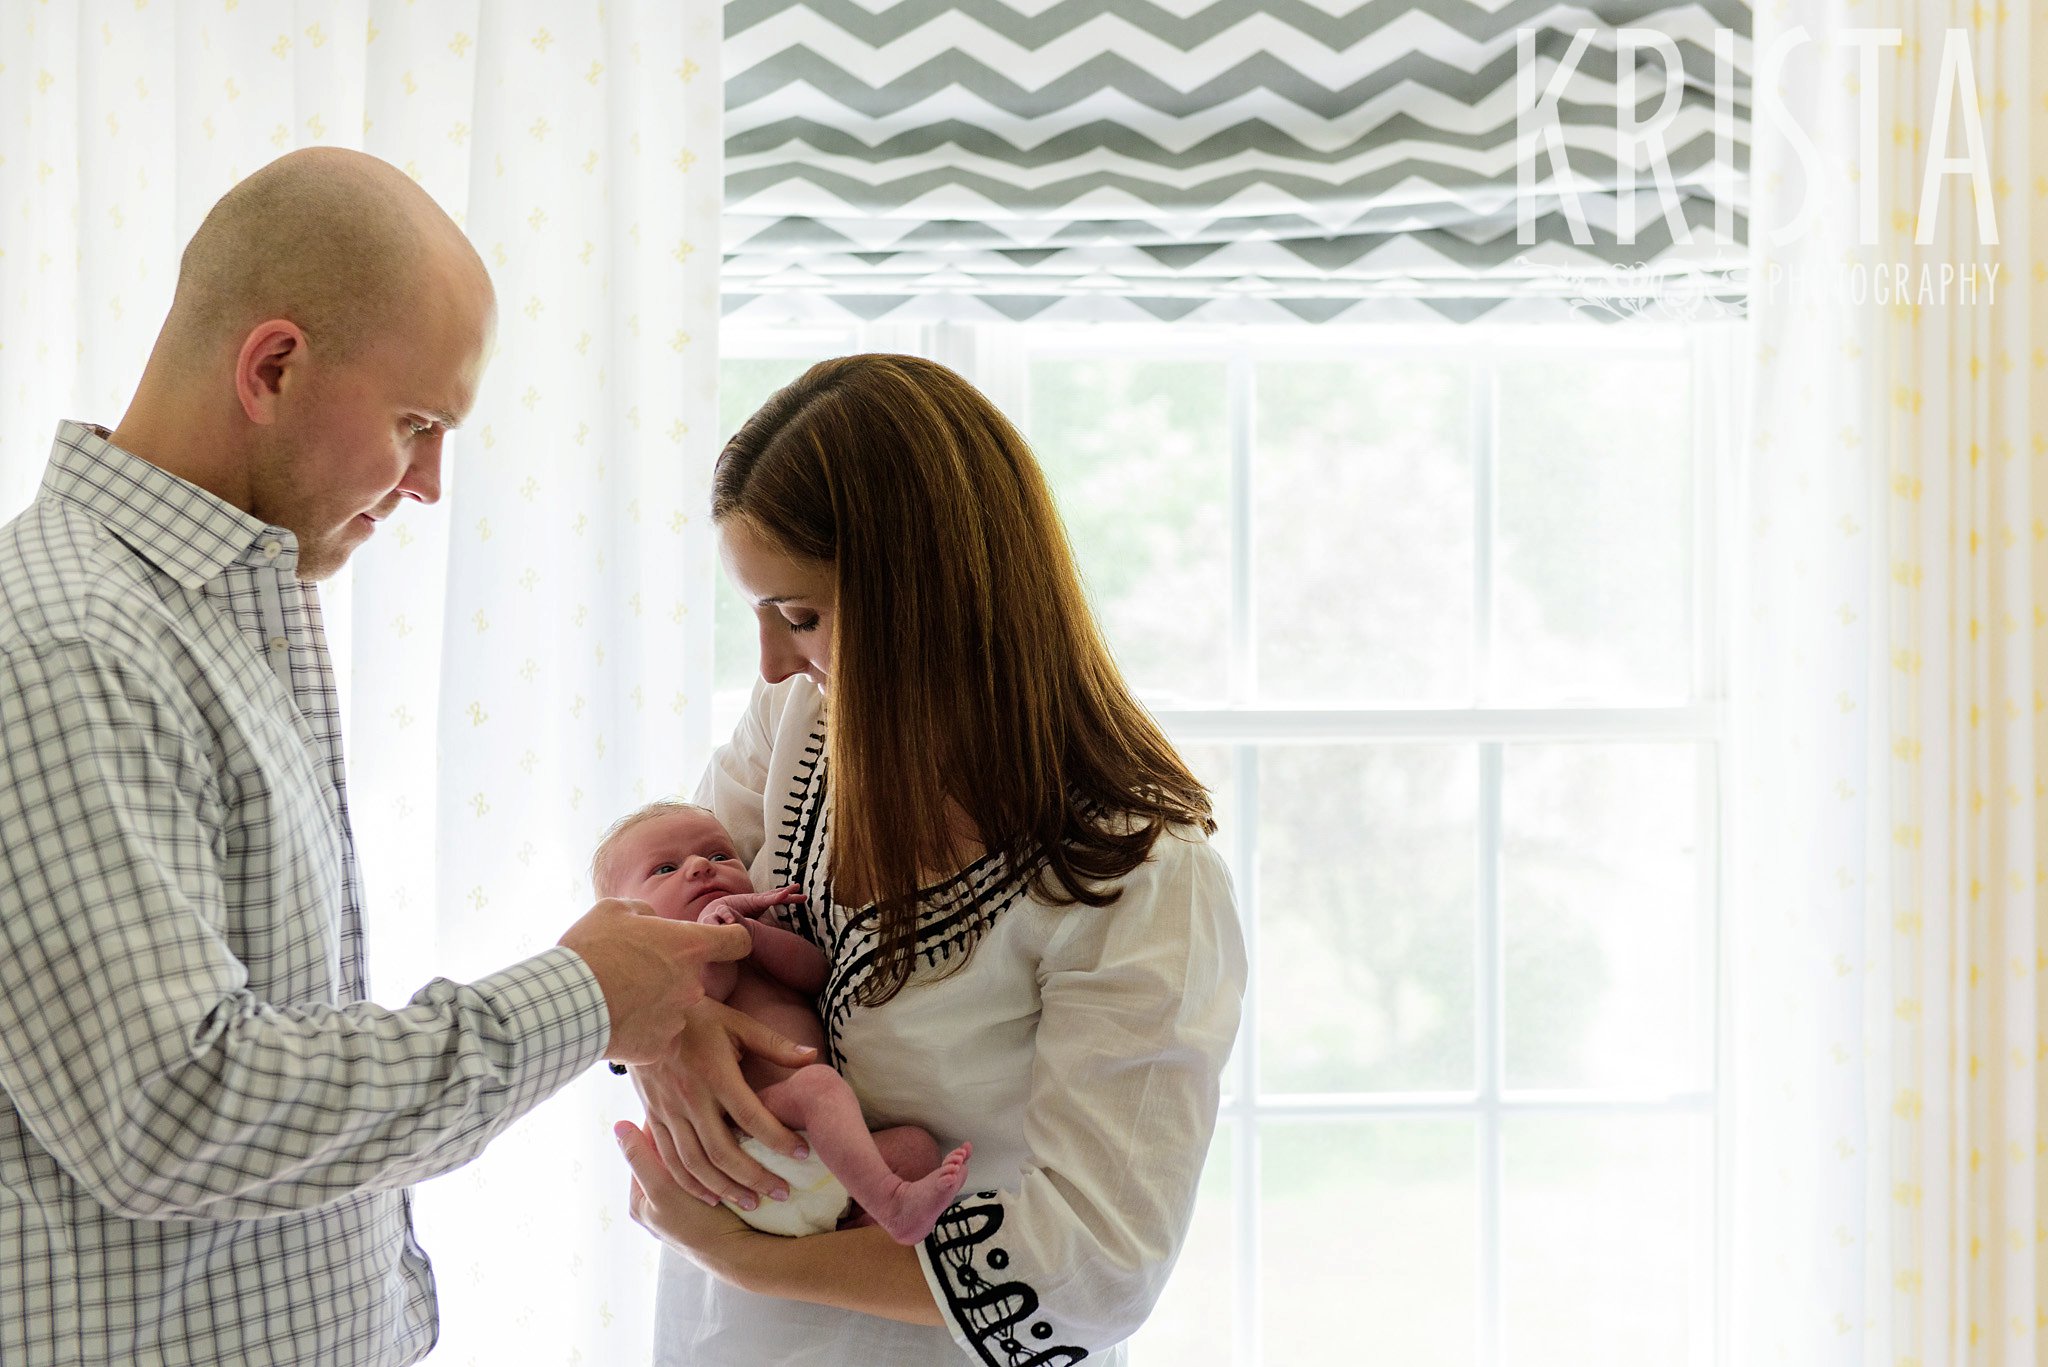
(1313, 155)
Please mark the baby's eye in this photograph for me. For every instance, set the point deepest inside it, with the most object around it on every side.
(664, 868)
(719, 858)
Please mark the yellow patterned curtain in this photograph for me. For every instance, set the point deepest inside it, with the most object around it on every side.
(1888, 810)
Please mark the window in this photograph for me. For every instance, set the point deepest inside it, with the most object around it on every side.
(1433, 612)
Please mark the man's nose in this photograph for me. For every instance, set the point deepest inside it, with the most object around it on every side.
(423, 478)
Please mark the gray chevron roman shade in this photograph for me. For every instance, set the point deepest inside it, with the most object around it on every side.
(1242, 160)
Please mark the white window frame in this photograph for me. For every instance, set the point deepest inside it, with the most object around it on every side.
(997, 357)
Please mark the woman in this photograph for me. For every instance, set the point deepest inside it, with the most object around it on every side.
(1034, 947)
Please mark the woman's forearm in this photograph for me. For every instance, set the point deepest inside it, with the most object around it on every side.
(848, 1269)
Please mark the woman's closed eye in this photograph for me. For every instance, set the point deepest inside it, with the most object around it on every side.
(808, 624)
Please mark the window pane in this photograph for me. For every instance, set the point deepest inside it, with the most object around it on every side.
(1368, 1242)
(1195, 1321)
(1138, 455)
(1592, 570)
(1600, 910)
(1213, 767)
(1366, 917)
(1603, 1227)
(1364, 505)
(744, 384)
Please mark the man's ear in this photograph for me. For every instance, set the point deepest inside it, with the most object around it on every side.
(269, 362)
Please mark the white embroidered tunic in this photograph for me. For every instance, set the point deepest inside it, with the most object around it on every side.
(1079, 1049)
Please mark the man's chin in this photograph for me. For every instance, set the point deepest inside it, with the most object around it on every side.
(323, 557)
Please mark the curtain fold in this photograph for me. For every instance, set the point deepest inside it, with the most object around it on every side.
(529, 659)
(1240, 160)
(1889, 816)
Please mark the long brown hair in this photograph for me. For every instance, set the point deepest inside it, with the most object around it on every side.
(966, 664)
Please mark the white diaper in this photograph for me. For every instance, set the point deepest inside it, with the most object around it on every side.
(816, 1200)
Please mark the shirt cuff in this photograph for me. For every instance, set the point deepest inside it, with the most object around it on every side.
(943, 1297)
(552, 1005)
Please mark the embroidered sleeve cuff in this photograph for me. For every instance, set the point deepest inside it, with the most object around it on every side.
(551, 1004)
(991, 1313)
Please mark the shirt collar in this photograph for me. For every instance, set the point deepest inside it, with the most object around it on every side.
(177, 526)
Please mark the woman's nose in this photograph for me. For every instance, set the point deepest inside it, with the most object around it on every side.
(778, 661)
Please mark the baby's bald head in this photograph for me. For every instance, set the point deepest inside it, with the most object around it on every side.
(338, 242)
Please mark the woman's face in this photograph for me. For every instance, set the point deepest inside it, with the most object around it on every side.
(792, 601)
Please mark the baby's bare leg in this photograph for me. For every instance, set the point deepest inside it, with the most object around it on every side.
(910, 1151)
(817, 1101)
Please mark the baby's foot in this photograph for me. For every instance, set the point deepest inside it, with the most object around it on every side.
(916, 1207)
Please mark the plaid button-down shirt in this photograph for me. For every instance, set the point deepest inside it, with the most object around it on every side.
(206, 1130)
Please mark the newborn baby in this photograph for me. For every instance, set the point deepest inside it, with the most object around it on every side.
(678, 858)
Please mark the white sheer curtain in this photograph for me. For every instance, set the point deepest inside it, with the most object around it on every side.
(1888, 825)
(531, 657)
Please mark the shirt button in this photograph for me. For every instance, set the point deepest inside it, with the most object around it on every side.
(278, 643)
(271, 550)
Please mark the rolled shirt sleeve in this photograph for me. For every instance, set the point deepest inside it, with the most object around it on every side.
(1141, 1001)
(130, 1040)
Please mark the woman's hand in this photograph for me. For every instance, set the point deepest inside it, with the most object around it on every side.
(850, 1269)
(690, 1095)
(713, 1235)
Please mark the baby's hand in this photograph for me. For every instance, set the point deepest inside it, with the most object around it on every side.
(727, 911)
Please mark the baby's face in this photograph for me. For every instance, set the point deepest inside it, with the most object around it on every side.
(678, 863)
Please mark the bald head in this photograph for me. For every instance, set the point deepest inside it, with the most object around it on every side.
(343, 245)
(330, 326)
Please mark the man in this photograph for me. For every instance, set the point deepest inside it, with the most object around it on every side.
(207, 1132)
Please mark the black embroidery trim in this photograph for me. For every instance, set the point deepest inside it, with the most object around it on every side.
(805, 916)
(994, 1313)
(955, 911)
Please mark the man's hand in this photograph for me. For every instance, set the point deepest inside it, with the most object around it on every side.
(698, 1096)
(650, 971)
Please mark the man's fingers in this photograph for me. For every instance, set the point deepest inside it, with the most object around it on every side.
(763, 1042)
(715, 944)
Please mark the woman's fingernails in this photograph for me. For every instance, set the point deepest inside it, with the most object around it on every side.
(750, 1201)
(708, 1199)
(780, 1193)
(803, 1151)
